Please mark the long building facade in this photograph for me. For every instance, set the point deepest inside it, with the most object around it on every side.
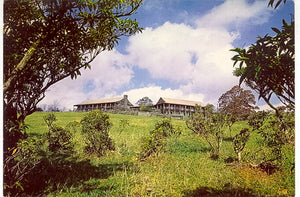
(164, 105)
(119, 103)
(177, 106)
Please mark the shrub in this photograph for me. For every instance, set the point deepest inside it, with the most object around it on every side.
(49, 119)
(146, 108)
(73, 126)
(166, 127)
(156, 141)
(212, 127)
(22, 160)
(122, 124)
(58, 138)
(277, 131)
(239, 142)
(95, 127)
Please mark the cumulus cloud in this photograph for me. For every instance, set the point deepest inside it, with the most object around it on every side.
(236, 12)
(194, 58)
(109, 73)
(155, 92)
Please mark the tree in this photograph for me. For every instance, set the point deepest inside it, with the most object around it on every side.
(268, 66)
(209, 108)
(47, 41)
(145, 108)
(237, 102)
(146, 101)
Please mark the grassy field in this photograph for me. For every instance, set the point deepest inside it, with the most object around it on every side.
(183, 169)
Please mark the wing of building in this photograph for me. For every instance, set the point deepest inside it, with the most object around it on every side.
(164, 105)
(177, 106)
(104, 104)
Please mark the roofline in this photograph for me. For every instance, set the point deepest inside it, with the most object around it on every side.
(98, 101)
(189, 102)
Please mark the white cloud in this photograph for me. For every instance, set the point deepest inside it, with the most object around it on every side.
(236, 12)
(196, 59)
(155, 92)
(109, 73)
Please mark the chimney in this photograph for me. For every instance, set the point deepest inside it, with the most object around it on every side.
(125, 101)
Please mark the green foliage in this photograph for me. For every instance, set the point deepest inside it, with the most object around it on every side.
(73, 126)
(277, 131)
(50, 119)
(123, 124)
(95, 128)
(268, 66)
(58, 138)
(21, 161)
(257, 119)
(47, 41)
(145, 108)
(183, 168)
(239, 142)
(212, 127)
(166, 128)
(156, 141)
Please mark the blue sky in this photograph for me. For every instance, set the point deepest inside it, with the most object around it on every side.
(182, 53)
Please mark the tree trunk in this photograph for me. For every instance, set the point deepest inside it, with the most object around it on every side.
(239, 154)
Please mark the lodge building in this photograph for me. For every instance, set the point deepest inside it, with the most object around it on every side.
(164, 105)
(110, 104)
(177, 106)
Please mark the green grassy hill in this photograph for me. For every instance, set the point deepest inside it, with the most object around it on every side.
(184, 168)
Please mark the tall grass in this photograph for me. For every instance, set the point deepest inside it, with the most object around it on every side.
(184, 168)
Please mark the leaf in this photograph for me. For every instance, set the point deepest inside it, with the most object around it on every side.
(277, 4)
(14, 151)
(271, 2)
(276, 30)
(18, 184)
(284, 22)
(244, 58)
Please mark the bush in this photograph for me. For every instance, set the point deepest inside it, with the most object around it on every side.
(58, 138)
(49, 119)
(277, 132)
(156, 141)
(22, 160)
(95, 127)
(212, 127)
(146, 108)
(239, 142)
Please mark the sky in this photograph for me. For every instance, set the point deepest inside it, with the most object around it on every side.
(183, 53)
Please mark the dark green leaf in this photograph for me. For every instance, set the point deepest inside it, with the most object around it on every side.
(278, 3)
(276, 30)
